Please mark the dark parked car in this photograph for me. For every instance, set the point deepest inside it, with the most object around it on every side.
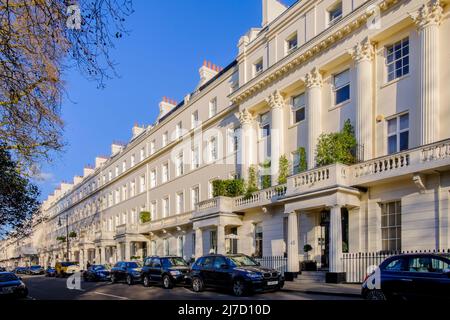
(239, 272)
(128, 271)
(20, 270)
(2, 269)
(412, 276)
(11, 285)
(168, 271)
(35, 270)
(50, 272)
(97, 273)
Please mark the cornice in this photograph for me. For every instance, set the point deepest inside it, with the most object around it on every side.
(311, 49)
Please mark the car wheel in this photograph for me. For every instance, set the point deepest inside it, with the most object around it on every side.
(167, 282)
(375, 295)
(146, 281)
(197, 285)
(113, 278)
(129, 280)
(239, 289)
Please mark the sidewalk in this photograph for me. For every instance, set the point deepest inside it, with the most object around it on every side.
(343, 290)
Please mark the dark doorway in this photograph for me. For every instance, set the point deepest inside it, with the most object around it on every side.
(324, 240)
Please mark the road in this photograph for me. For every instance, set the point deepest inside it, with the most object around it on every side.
(42, 288)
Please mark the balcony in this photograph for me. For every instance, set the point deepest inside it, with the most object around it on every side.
(419, 160)
(166, 223)
(104, 235)
(125, 229)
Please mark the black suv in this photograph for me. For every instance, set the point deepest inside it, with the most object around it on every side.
(166, 270)
(239, 272)
(410, 276)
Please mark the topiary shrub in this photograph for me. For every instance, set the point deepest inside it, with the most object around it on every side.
(303, 162)
(252, 183)
(228, 188)
(337, 147)
(145, 217)
(266, 178)
(283, 171)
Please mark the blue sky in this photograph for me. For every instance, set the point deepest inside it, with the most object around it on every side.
(167, 44)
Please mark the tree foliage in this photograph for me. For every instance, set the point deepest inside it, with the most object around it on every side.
(337, 147)
(18, 198)
(145, 217)
(252, 182)
(266, 178)
(37, 46)
(303, 162)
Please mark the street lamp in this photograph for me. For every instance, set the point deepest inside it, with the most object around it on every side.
(67, 235)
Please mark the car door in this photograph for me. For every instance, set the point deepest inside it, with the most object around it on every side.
(394, 279)
(121, 270)
(430, 277)
(156, 270)
(221, 272)
(206, 271)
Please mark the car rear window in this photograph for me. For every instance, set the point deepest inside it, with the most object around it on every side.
(6, 277)
(174, 262)
(243, 261)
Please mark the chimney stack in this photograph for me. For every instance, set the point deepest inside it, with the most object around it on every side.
(271, 10)
(65, 186)
(137, 130)
(208, 71)
(116, 147)
(88, 170)
(165, 106)
(99, 161)
(77, 180)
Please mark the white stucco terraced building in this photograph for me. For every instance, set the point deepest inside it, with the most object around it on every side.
(383, 64)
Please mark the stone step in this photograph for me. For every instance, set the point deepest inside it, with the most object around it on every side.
(311, 277)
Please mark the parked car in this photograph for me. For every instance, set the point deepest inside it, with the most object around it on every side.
(35, 270)
(50, 272)
(240, 273)
(168, 271)
(20, 270)
(411, 276)
(97, 273)
(128, 271)
(64, 269)
(11, 285)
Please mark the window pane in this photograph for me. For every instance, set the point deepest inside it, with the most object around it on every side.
(343, 94)
(404, 122)
(392, 144)
(392, 126)
(299, 101)
(404, 141)
(300, 115)
(342, 79)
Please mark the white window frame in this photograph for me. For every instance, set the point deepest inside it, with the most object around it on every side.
(194, 119)
(179, 164)
(212, 107)
(179, 130)
(336, 89)
(334, 7)
(295, 108)
(293, 37)
(258, 67)
(153, 178)
(213, 149)
(165, 139)
(133, 160)
(152, 147)
(142, 186)
(180, 204)
(398, 131)
(263, 124)
(165, 173)
(395, 60)
(154, 210)
(166, 207)
(195, 152)
(197, 187)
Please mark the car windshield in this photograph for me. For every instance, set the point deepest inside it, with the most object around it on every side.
(36, 267)
(243, 261)
(134, 265)
(176, 262)
(6, 277)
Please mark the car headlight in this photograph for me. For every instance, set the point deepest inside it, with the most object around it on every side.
(175, 273)
(253, 275)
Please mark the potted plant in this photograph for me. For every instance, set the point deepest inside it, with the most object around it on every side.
(308, 265)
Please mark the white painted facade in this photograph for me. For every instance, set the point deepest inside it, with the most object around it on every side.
(398, 103)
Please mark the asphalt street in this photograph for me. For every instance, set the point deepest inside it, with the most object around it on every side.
(42, 288)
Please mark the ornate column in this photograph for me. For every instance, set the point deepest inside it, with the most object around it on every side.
(313, 83)
(127, 255)
(335, 274)
(198, 243)
(292, 245)
(221, 239)
(427, 20)
(276, 103)
(248, 142)
(363, 55)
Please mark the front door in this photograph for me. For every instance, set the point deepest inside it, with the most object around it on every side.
(324, 240)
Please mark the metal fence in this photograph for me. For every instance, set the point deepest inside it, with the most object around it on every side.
(274, 262)
(356, 265)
